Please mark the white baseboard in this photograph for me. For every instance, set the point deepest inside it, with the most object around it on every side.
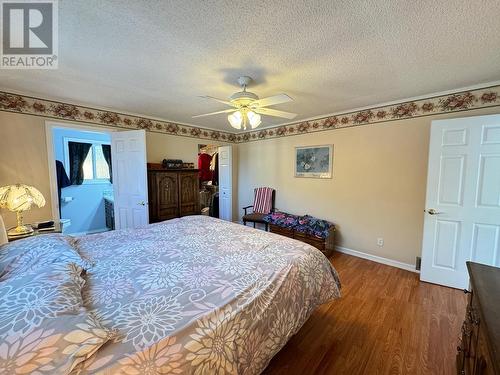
(375, 258)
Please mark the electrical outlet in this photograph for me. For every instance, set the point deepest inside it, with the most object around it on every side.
(380, 242)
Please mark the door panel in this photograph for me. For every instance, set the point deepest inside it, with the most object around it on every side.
(491, 135)
(488, 187)
(120, 166)
(451, 178)
(463, 191)
(122, 217)
(454, 137)
(189, 194)
(168, 195)
(138, 218)
(446, 243)
(485, 243)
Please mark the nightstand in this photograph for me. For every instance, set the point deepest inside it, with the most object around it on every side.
(57, 228)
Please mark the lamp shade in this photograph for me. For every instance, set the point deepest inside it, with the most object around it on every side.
(20, 197)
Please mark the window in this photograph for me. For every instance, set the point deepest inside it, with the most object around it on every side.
(95, 167)
(101, 167)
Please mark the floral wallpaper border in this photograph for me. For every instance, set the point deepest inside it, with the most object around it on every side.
(456, 102)
(64, 111)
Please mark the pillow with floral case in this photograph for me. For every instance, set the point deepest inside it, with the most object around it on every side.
(44, 327)
(30, 255)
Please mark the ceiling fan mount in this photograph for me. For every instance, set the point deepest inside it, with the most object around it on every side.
(244, 81)
(243, 98)
(247, 107)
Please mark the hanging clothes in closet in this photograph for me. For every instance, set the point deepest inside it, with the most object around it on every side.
(205, 173)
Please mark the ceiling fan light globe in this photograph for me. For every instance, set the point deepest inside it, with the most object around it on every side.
(256, 124)
(235, 119)
(254, 119)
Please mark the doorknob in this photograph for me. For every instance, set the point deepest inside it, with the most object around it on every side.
(142, 203)
(432, 211)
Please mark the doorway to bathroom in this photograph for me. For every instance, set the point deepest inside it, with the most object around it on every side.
(81, 175)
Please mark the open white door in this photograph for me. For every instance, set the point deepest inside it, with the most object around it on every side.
(128, 158)
(462, 219)
(226, 183)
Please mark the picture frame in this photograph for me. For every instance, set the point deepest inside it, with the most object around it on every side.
(314, 161)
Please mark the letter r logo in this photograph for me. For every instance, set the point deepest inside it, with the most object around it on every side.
(27, 28)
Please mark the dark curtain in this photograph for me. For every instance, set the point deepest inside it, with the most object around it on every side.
(77, 154)
(62, 181)
(106, 151)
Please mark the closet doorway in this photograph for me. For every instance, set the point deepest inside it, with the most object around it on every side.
(208, 166)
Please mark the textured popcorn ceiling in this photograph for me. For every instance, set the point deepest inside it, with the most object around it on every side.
(156, 57)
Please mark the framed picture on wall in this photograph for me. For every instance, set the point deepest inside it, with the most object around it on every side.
(314, 161)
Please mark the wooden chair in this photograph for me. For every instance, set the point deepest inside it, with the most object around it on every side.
(263, 204)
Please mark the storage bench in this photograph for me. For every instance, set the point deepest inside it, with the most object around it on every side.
(326, 245)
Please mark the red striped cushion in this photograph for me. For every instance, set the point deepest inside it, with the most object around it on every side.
(263, 201)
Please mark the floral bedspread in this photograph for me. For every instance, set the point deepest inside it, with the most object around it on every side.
(199, 295)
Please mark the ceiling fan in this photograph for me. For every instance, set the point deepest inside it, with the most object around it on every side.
(247, 107)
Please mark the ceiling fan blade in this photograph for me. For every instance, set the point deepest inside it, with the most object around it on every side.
(219, 100)
(215, 113)
(271, 100)
(275, 112)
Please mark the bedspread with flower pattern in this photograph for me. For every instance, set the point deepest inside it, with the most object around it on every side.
(199, 295)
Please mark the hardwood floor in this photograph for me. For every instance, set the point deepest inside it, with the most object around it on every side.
(387, 322)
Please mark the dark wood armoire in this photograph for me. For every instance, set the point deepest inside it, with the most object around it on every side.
(172, 193)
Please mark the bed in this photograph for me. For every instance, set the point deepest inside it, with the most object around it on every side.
(189, 295)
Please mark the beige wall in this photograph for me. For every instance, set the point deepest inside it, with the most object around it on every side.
(378, 187)
(164, 146)
(23, 157)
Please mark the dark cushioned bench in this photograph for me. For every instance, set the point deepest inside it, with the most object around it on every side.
(316, 232)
